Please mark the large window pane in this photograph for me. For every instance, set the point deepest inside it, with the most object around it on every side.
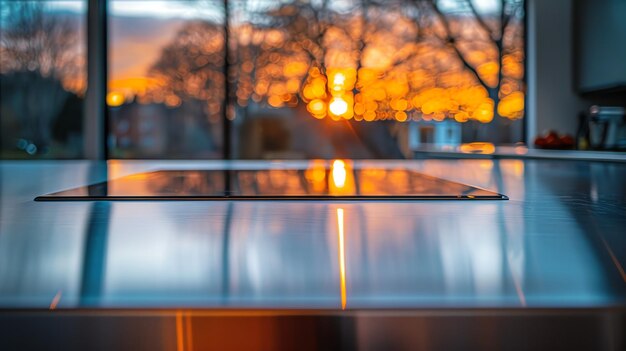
(42, 78)
(358, 78)
(166, 79)
(313, 78)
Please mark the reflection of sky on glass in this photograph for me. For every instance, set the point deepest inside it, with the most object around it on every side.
(68, 6)
(154, 9)
(75, 7)
(483, 6)
(166, 9)
(190, 9)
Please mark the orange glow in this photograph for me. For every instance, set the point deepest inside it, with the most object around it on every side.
(338, 106)
(317, 108)
(400, 116)
(180, 345)
(275, 101)
(318, 90)
(342, 258)
(379, 96)
(189, 332)
(391, 79)
(115, 99)
(339, 80)
(55, 300)
(339, 173)
(518, 168)
(134, 85)
(461, 116)
(295, 69)
(478, 148)
(369, 116)
(399, 104)
(489, 72)
(484, 112)
(359, 108)
(316, 175)
(172, 101)
(341, 180)
(293, 85)
(512, 105)
(521, 150)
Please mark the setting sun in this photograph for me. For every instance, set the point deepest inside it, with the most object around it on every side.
(115, 99)
(338, 106)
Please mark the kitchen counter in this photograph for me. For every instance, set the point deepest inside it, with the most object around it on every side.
(558, 243)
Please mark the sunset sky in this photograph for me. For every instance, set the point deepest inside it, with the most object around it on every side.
(135, 44)
(139, 29)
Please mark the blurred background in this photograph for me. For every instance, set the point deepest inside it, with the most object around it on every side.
(291, 79)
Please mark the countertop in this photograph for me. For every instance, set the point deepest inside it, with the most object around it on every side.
(560, 241)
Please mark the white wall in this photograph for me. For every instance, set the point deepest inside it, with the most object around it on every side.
(552, 101)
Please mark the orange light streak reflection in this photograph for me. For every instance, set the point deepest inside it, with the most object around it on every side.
(339, 173)
(341, 181)
(55, 300)
(179, 332)
(342, 258)
(189, 332)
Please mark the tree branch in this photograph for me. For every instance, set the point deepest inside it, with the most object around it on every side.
(481, 21)
(451, 41)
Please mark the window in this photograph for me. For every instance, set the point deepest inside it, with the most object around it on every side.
(42, 70)
(166, 79)
(299, 79)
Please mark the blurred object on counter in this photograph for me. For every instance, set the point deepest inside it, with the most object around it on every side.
(602, 128)
(552, 140)
(477, 148)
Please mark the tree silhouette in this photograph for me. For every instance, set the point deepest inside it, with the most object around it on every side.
(374, 60)
(39, 61)
(501, 33)
(379, 36)
(190, 67)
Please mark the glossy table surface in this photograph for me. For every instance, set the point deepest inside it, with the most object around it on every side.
(560, 241)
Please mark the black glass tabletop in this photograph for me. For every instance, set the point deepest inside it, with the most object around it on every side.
(319, 181)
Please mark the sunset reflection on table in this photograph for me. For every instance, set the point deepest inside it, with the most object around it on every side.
(312, 254)
(317, 179)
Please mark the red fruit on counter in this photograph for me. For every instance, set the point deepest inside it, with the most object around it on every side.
(553, 141)
(567, 140)
(540, 141)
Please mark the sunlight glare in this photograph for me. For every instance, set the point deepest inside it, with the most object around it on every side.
(338, 106)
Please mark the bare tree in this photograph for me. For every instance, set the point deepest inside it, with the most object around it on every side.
(406, 46)
(500, 31)
(40, 57)
(190, 77)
